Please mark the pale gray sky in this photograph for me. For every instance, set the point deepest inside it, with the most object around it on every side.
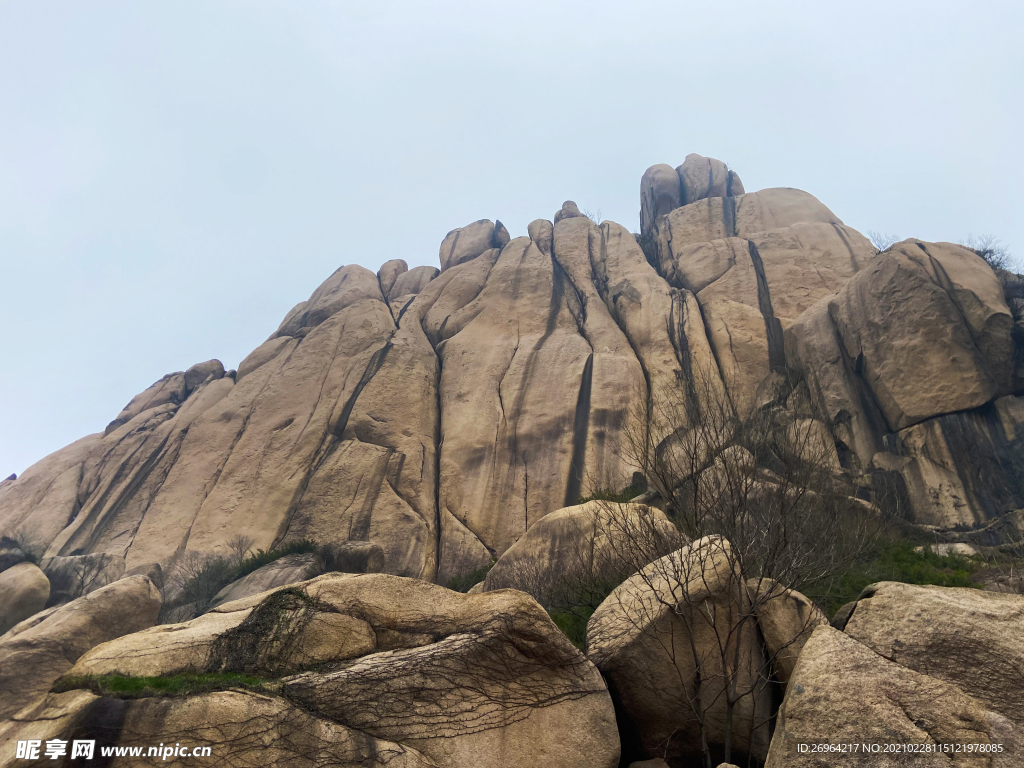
(175, 176)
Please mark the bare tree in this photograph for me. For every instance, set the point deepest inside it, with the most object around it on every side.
(240, 546)
(192, 584)
(989, 247)
(882, 241)
(765, 502)
(76, 576)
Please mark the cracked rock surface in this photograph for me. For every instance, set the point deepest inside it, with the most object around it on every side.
(439, 412)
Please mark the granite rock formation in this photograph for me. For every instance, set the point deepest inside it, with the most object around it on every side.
(441, 412)
(367, 669)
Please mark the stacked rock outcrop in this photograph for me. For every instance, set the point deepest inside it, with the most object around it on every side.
(350, 670)
(439, 413)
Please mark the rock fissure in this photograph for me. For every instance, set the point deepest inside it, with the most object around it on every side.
(581, 424)
(772, 326)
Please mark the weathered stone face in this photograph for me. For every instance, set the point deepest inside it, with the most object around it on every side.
(25, 589)
(786, 620)
(841, 691)
(935, 630)
(440, 413)
(910, 359)
(591, 545)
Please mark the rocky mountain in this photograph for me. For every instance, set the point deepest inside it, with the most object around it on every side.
(441, 413)
(402, 431)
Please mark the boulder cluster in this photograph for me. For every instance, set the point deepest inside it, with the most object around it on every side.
(423, 425)
(683, 657)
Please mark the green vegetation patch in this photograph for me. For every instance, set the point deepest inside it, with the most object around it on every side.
(573, 623)
(467, 581)
(891, 560)
(126, 687)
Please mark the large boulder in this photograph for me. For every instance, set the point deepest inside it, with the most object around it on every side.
(955, 350)
(960, 469)
(462, 680)
(663, 188)
(389, 272)
(703, 177)
(659, 194)
(934, 404)
(786, 619)
(410, 283)
(55, 716)
(966, 637)
(673, 641)
(200, 373)
(750, 287)
(714, 218)
(842, 692)
(45, 496)
(25, 590)
(582, 550)
(32, 659)
(466, 243)
(305, 634)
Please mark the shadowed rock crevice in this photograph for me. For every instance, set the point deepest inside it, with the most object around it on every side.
(581, 422)
(773, 328)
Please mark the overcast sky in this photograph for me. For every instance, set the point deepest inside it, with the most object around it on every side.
(175, 176)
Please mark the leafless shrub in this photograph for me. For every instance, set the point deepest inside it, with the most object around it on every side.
(240, 546)
(594, 216)
(192, 584)
(74, 576)
(882, 241)
(995, 254)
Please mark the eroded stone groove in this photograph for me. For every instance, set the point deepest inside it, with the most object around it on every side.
(773, 328)
(581, 422)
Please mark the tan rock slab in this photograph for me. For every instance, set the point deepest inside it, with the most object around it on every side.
(843, 692)
(965, 637)
(787, 619)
